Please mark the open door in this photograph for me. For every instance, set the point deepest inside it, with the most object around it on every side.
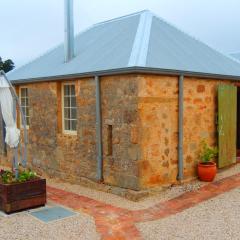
(227, 125)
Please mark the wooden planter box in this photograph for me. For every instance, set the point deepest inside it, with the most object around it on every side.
(19, 196)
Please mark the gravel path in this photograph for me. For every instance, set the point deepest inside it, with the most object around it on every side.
(216, 219)
(157, 197)
(23, 226)
(161, 196)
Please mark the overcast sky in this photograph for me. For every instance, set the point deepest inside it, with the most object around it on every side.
(28, 28)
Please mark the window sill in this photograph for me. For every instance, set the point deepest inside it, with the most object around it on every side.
(70, 133)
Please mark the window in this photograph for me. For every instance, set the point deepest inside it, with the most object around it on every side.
(24, 100)
(69, 108)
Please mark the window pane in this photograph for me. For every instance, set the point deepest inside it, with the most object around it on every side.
(73, 113)
(72, 90)
(67, 113)
(66, 90)
(25, 104)
(70, 110)
(74, 125)
(66, 102)
(23, 92)
(23, 101)
(27, 121)
(73, 101)
(67, 124)
(27, 111)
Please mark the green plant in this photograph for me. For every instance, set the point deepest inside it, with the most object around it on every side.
(207, 153)
(7, 176)
(24, 175)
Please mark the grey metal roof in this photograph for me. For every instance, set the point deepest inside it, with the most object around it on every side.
(137, 41)
(236, 55)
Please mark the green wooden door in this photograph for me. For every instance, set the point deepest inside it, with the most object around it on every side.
(227, 123)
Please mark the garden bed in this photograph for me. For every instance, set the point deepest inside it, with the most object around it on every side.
(22, 195)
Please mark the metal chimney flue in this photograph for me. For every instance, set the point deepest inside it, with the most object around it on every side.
(68, 31)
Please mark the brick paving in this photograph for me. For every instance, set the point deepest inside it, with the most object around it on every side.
(114, 223)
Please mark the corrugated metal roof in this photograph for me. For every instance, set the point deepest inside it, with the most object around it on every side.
(236, 55)
(137, 40)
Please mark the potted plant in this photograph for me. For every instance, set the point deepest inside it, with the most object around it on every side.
(22, 192)
(207, 168)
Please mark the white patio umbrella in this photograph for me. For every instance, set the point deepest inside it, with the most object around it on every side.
(8, 101)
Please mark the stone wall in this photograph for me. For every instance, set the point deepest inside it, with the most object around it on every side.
(158, 110)
(72, 157)
(119, 113)
(140, 129)
(50, 150)
(200, 119)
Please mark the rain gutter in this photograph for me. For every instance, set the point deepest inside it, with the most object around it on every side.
(128, 70)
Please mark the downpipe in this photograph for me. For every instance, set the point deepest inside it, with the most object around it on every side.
(180, 127)
(99, 130)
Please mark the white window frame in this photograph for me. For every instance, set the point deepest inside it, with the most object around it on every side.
(20, 98)
(69, 132)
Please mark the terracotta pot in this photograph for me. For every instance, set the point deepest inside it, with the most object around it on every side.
(207, 171)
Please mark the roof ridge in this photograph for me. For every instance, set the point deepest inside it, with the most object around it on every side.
(121, 17)
(235, 55)
(195, 38)
(139, 52)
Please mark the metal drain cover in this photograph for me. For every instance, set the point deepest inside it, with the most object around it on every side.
(52, 214)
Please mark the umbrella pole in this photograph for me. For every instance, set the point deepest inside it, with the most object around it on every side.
(15, 162)
(15, 158)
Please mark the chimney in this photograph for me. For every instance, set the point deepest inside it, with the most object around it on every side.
(68, 31)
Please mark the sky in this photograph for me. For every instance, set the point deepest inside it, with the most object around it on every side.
(29, 28)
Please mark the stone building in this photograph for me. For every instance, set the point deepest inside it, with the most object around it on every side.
(130, 107)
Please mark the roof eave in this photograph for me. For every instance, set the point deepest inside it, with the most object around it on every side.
(129, 70)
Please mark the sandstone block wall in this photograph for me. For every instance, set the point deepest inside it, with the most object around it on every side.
(73, 156)
(200, 118)
(120, 113)
(139, 129)
(158, 112)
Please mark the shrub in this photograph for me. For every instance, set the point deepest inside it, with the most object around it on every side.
(207, 153)
(24, 175)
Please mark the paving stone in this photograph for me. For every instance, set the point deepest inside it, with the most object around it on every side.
(118, 223)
